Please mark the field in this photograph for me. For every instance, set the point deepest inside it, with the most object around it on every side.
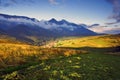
(87, 58)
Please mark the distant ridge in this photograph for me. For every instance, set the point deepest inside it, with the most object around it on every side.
(31, 29)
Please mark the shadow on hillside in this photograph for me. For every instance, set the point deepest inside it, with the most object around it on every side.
(96, 49)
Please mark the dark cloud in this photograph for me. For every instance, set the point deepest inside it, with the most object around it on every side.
(111, 23)
(95, 25)
(116, 10)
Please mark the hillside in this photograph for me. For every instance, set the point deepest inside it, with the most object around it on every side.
(91, 41)
(6, 39)
(20, 61)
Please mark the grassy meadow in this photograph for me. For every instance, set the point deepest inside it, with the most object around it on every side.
(86, 58)
(91, 41)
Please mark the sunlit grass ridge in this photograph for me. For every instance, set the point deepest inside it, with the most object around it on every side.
(92, 41)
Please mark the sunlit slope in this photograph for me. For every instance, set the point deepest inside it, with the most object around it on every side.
(20, 61)
(10, 44)
(14, 53)
(92, 41)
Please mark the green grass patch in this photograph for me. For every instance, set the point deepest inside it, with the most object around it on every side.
(92, 66)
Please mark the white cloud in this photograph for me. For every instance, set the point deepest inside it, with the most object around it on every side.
(47, 25)
(7, 3)
(54, 2)
(19, 20)
(103, 29)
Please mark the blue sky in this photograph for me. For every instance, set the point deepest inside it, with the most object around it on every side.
(78, 11)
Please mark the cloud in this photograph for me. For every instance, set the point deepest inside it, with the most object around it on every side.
(7, 3)
(54, 2)
(111, 23)
(116, 10)
(104, 29)
(113, 31)
(94, 25)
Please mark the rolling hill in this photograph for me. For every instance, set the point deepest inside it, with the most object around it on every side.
(20, 61)
(91, 41)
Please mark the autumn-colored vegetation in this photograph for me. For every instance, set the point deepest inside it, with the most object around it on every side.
(87, 58)
(15, 54)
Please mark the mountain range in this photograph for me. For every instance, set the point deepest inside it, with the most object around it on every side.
(31, 30)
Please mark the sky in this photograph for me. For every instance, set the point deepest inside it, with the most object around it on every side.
(103, 12)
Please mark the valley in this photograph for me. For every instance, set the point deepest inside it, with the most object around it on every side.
(79, 58)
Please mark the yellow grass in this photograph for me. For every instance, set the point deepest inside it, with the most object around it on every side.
(16, 54)
(92, 41)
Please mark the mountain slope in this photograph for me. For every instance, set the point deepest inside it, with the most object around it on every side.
(23, 28)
